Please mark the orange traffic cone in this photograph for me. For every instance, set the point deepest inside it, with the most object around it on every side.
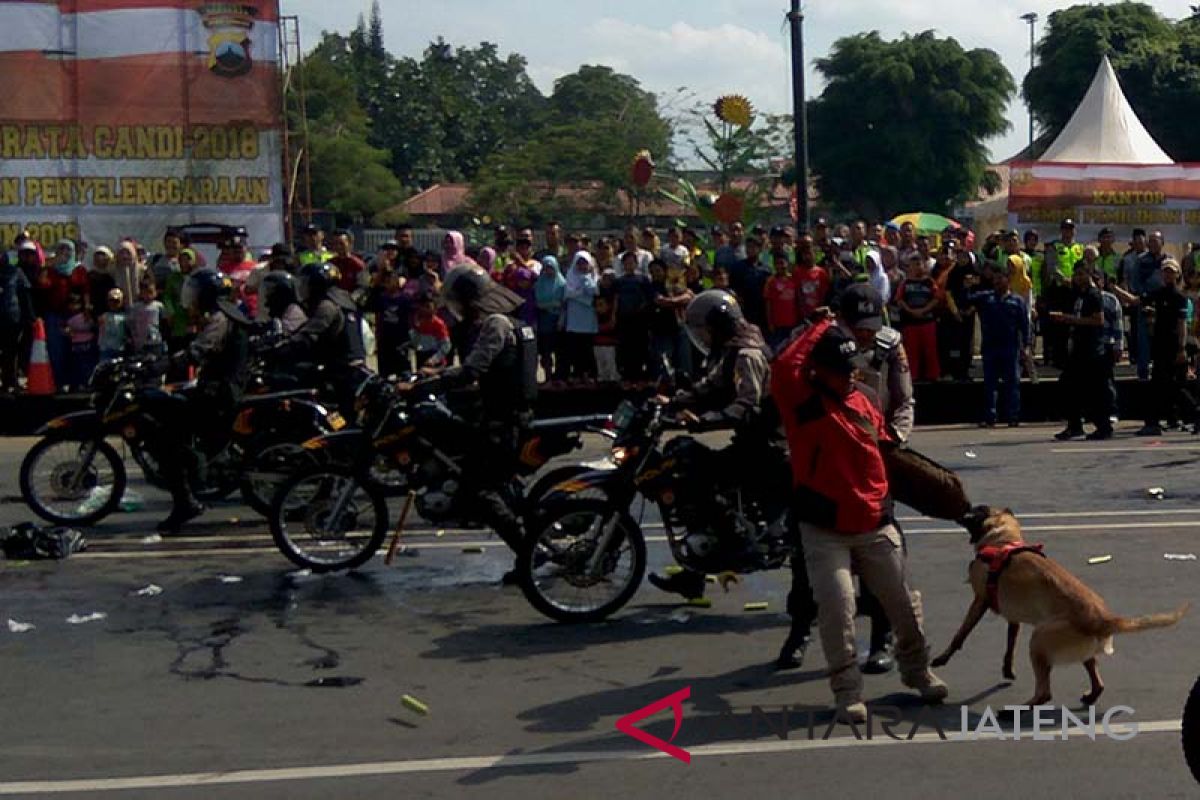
(40, 378)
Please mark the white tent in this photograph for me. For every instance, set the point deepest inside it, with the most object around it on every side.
(1104, 129)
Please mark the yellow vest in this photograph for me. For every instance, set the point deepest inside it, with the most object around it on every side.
(1068, 257)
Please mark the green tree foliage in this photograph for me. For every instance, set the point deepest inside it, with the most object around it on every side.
(901, 125)
(592, 126)
(1157, 62)
(349, 176)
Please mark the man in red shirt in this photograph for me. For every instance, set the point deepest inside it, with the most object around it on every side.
(842, 506)
(349, 265)
(780, 297)
(812, 281)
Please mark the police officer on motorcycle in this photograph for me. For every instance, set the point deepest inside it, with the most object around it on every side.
(220, 354)
(503, 362)
(278, 292)
(730, 396)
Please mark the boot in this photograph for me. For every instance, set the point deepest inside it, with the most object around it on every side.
(687, 583)
(181, 512)
(791, 655)
(879, 661)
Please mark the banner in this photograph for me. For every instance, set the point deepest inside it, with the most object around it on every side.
(1096, 196)
(122, 117)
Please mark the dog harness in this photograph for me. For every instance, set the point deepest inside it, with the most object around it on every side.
(997, 557)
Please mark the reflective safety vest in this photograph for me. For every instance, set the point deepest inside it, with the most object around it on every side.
(313, 256)
(1037, 265)
(1067, 257)
(1110, 263)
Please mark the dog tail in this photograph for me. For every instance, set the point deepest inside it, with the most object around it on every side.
(1147, 621)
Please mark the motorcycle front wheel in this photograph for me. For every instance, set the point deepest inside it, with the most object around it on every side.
(583, 562)
(1191, 731)
(72, 482)
(266, 471)
(327, 519)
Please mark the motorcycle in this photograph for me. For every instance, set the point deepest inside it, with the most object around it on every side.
(74, 476)
(333, 514)
(587, 558)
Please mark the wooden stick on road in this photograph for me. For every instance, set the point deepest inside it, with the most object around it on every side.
(391, 553)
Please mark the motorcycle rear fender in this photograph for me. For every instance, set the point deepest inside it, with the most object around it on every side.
(347, 443)
(78, 424)
(291, 415)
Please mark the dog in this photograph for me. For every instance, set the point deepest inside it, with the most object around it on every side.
(1071, 622)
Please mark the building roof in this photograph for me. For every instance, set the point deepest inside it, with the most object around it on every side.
(1104, 128)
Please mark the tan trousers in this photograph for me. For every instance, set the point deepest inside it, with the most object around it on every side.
(878, 558)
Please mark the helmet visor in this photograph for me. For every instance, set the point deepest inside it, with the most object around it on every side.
(700, 335)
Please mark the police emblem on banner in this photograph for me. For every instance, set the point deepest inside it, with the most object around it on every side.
(229, 26)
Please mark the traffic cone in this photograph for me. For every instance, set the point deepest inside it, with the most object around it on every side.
(40, 379)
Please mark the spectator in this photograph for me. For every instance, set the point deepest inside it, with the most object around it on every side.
(405, 243)
(430, 335)
(812, 281)
(31, 262)
(100, 280)
(1004, 320)
(16, 317)
(908, 242)
(114, 330)
(145, 320)
(604, 256)
(644, 257)
(1114, 334)
(1166, 308)
(748, 280)
(650, 243)
(720, 279)
(1021, 285)
(519, 276)
(696, 255)
(779, 242)
(389, 258)
(782, 306)
(238, 264)
(166, 263)
(61, 278)
(918, 300)
(553, 246)
(1083, 386)
(876, 275)
(548, 292)
(454, 252)
(81, 330)
(502, 246)
(957, 336)
(579, 319)
(393, 309)
(1144, 280)
(127, 273)
(633, 297)
(732, 252)
(426, 272)
(488, 263)
(312, 246)
(1106, 256)
(667, 337)
(674, 254)
(1062, 255)
(353, 270)
(605, 343)
(177, 323)
(1037, 261)
(860, 248)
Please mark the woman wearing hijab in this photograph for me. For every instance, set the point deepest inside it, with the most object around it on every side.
(580, 323)
(58, 281)
(548, 291)
(128, 270)
(454, 252)
(487, 261)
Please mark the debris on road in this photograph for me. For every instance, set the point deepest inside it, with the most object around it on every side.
(474, 549)
(1157, 492)
(300, 573)
(672, 569)
(229, 579)
(710, 578)
(95, 616)
(700, 602)
(234, 520)
(131, 501)
(681, 617)
(153, 538)
(150, 590)
(414, 705)
(1179, 556)
(971, 454)
(408, 551)
(20, 627)
(755, 607)
(440, 533)
(726, 578)
(1099, 559)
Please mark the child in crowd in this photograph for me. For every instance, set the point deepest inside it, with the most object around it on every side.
(145, 319)
(430, 336)
(780, 297)
(633, 318)
(917, 298)
(392, 307)
(605, 343)
(720, 279)
(114, 329)
(81, 329)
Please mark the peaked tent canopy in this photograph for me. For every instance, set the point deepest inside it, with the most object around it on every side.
(1104, 128)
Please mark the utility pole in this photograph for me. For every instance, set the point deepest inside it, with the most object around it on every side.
(800, 114)
(1032, 19)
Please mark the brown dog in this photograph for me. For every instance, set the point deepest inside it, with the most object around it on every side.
(1072, 623)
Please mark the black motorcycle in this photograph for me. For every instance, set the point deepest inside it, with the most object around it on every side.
(588, 556)
(75, 476)
(333, 514)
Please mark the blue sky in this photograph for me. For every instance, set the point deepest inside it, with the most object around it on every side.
(711, 46)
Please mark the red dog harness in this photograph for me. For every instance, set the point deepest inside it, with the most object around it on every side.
(997, 557)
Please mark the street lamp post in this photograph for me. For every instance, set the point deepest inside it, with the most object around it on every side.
(1032, 19)
(800, 114)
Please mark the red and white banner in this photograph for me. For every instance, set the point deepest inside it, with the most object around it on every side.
(1117, 196)
(121, 117)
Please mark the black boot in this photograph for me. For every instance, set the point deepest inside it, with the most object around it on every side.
(184, 509)
(687, 583)
(791, 655)
(880, 660)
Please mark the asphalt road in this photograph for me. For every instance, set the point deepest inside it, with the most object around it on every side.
(290, 686)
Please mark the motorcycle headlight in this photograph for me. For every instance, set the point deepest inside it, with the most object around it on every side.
(622, 454)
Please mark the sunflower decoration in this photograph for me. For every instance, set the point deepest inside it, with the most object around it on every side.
(643, 169)
(734, 109)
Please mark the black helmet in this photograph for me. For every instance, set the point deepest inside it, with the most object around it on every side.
(278, 291)
(712, 319)
(469, 287)
(203, 289)
(315, 279)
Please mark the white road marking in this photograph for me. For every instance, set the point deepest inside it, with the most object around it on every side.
(438, 765)
(1135, 449)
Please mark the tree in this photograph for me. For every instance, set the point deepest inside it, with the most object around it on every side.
(594, 124)
(1157, 62)
(349, 176)
(901, 125)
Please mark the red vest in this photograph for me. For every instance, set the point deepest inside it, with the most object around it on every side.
(997, 556)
